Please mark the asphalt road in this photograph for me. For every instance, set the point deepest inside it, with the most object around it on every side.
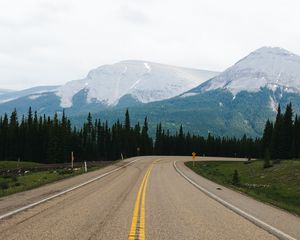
(148, 199)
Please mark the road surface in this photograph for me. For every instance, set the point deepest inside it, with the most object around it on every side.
(148, 199)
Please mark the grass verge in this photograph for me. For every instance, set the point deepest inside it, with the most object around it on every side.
(14, 164)
(10, 184)
(278, 185)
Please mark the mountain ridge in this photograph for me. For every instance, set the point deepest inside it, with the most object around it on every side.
(270, 67)
(235, 102)
(145, 81)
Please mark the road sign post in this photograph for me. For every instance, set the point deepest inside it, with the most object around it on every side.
(85, 167)
(194, 158)
(72, 160)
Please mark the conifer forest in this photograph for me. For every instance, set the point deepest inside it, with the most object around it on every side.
(46, 139)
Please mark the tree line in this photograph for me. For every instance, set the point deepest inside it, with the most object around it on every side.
(48, 139)
(184, 144)
(281, 139)
(51, 140)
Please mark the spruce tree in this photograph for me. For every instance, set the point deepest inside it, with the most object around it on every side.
(277, 139)
(296, 139)
(267, 137)
(287, 132)
(127, 121)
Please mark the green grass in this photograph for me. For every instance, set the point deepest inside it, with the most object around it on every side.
(19, 183)
(15, 164)
(278, 185)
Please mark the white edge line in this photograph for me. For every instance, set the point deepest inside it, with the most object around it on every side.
(276, 232)
(63, 192)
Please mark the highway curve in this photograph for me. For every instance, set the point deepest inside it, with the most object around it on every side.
(148, 199)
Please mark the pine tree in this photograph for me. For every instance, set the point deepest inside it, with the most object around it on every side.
(127, 121)
(146, 147)
(158, 140)
(277, 140)
(4, 136)
(267, 137)
(13, 138)
(287, 132)
(296, 141)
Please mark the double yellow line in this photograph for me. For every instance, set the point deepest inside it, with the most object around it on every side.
(137, 230)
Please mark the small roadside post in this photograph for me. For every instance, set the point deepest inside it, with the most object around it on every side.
(85, 167)
(72, 160)
(194, 158)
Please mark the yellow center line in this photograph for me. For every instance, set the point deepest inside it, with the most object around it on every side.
(142, 212)
(137, 230)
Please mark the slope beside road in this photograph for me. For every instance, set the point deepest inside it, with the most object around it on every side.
(148, 194)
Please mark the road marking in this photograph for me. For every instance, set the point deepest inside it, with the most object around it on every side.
(276, 232)
(65, 191)
(136, 212)
(137, 229)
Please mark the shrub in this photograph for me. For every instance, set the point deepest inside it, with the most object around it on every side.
(4, 185)
(65, 171)
(14, 178)
(235, 178)
(17, 184)
(267, 162)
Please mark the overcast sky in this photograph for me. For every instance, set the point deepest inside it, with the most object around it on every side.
(49, 42)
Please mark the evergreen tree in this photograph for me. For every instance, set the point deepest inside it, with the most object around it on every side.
(277, 151)
(158, 140)
(46, 139)
(127, 121)
(267, 136)
(287, 132)
(146, 141)
(296, 140)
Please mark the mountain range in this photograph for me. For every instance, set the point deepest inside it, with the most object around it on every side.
(232, 103)
(123, 84)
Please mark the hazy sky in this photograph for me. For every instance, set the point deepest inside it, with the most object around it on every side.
(46, 42)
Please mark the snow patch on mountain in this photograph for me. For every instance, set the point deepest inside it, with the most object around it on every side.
(188, 94)
(67, 91)
(147, 66)
(273, 104)
(144, 81)
(266, 67)
(35, 96)
(13, 95)
(7, 100)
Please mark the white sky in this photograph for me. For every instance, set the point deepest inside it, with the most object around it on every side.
(48, 42)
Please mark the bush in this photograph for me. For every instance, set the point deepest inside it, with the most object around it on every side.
(17, 184)
(267, 163)
(4, 185)
(236, 178)
(277, 161)
(14, 178)
(65, 171)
